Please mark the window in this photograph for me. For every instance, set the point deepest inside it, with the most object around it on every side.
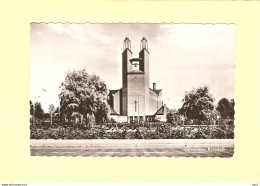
(135, 65)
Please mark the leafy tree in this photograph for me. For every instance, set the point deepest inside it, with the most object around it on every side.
(84, 94)
(101, 115)
(210, 116)
(31, 108)
(75, 116)
(38, 110)
(232, 109)
(198, 104)
(51, 111)
(226, 108)
(173, 116)
(46, 116)
(57, 113)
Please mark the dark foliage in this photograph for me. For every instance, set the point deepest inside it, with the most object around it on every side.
(226, 108)
(38, 110)
(198, 105)
(43, 130)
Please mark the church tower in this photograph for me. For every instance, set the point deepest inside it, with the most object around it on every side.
(135, 100)
(126, 67)
(135, 90)
(144, 66)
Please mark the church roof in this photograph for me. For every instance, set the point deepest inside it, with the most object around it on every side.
(143, 50)
(135, 59)
(161, 110)
(127, 49)
(157, 91)
(113, 112)
(113, 91)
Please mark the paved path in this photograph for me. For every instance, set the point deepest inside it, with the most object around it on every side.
(139, 148)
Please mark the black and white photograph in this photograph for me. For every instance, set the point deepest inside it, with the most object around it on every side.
(132, 90)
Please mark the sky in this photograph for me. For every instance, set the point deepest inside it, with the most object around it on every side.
(182, 57)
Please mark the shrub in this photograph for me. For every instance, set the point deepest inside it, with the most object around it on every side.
(130, 134)
(153, 130)
(178, 133)
(140, 133)
(201, 133)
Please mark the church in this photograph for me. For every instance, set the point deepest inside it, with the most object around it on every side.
(136, 101)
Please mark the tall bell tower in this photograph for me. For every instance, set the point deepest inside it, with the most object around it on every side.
(126, 67)
(136, 101)
(144, 66)
(135, 91)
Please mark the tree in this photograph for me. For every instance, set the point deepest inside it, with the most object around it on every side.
(232, 109)
(46, 116)
(173, 116)
(226, 108)
(101, 115)
(84, 94)
(31, 108)
(51, 111)
(38, 110)
(198, 104)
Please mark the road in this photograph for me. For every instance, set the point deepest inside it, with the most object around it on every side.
(135, 148)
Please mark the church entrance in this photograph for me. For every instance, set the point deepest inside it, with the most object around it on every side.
(136, 119)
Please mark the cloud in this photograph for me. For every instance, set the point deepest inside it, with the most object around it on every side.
(79, 32)
(161, 39)
(59, 28)
(194, 35)
(78, 36)
(103, 39)
(74, 31)
(75, 27)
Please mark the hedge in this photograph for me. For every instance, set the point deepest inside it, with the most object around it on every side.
(133, 131)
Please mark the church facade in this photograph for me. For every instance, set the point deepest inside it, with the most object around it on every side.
(136, 100)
